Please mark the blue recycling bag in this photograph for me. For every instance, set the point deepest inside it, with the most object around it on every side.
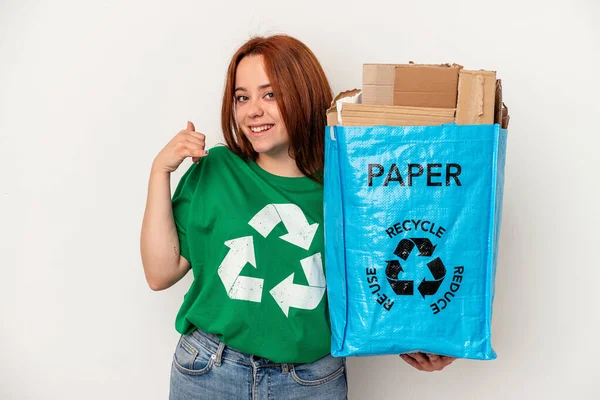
(412, 219)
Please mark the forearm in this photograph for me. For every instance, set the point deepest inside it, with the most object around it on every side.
(159, 240)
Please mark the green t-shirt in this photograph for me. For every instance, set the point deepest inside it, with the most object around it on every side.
(255, 243)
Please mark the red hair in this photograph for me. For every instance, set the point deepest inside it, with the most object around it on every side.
(302, 93)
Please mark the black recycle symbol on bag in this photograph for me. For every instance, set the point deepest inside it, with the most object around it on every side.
(403, 251)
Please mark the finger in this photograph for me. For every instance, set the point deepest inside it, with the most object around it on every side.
(412, 362)
(184, 150)
(199, 140)
(190, 126)
(195, 150)
(198, 135)
(197, 154)
(436, 362)
(421, 359)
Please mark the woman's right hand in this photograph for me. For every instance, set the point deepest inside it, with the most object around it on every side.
(187, 143)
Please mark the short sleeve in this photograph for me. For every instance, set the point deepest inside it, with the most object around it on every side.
(182, 203)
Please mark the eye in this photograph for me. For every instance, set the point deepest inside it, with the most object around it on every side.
(270, 95)
(241, 99)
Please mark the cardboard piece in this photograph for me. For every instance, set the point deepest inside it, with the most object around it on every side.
(348, 96)
(505, 117)
(419, 85)
(368, 114)
(498, 103)
(413, 85)
(346, 110)
(378, 84)
(421, 94)
(476, 97)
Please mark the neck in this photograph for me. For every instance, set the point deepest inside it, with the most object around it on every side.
(282, 165)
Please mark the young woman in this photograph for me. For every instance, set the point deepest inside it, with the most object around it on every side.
(248, 220)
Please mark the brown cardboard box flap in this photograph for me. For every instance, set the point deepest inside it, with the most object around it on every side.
(476, 97)
(378, 84)
(379, 74)
(378, 95)
(417, 85)
(426, 85)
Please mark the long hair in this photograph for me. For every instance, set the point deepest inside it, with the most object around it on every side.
(302, 93)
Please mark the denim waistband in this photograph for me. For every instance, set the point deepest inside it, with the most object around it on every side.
(212, 344)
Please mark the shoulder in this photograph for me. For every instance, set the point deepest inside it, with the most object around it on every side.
(217, 157)
(220, 160)
(219, 153)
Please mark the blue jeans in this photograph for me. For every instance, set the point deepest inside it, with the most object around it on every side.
(204, 368)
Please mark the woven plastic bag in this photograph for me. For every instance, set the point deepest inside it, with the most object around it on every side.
(412, 219)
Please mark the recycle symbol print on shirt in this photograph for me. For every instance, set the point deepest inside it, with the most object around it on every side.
(286, 293)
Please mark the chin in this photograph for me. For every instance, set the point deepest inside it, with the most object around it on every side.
(269, 149)
(262, 149)
(269, 144)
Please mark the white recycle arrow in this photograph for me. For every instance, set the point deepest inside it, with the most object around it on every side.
(300, 233)
(241, 252)
(288, 294)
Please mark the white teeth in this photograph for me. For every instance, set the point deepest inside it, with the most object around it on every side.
(257, 129)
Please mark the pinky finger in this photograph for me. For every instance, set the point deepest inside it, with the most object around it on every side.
(197, 158)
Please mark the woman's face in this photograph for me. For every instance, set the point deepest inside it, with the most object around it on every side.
(256, 109)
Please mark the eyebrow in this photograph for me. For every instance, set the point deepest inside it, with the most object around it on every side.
(261, 87)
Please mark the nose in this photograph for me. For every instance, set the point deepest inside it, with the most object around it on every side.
(255, 109)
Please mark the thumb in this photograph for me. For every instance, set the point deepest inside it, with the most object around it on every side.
(190, 126)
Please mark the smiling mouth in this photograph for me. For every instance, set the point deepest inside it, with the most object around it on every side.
(260, 129)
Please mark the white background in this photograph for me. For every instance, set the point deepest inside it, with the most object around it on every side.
(91, 91)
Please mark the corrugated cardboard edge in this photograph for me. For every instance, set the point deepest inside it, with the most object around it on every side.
(412, 64)
(498, 103)
(356, 114)
(398, 109)
(501, 116)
